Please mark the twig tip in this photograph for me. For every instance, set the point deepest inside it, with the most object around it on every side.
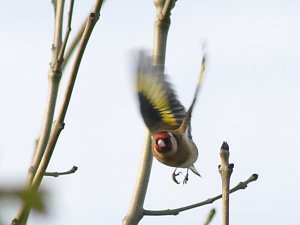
(255, 176)
(225, 146)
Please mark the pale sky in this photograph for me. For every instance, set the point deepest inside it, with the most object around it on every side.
(250, 99)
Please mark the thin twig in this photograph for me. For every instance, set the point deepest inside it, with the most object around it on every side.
(54, 4)
(166, 10)
(225, 170)
(57, 174)
(244, 185)
(65, 41)
(174, 212)
(210, 216)
(72, 46)
(75, 42)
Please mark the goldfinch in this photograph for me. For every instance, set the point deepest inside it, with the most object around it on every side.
(165, 117)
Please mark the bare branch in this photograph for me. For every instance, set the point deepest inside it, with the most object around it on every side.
(57, 174)
(225, 170)
(43, 156)
(168, 6)
(174, 212)
(244, 185)
(76, 39)
(210, 216)
(54, 76)
(162, 24)
(54, 79)
(74, 43)
(59, 123)
(59, 6)
(64, 43)
(135, 212)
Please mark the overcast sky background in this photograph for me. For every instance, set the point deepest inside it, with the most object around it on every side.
(250, 99)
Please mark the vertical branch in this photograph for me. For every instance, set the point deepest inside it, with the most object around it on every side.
(136, 211)
(54, 76)
(161, 28)
(59, 6)
(225, 170)
(66, 38)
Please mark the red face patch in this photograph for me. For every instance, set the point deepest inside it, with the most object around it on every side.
(166, 139)
(162, 135)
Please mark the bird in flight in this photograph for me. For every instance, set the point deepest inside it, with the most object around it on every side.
(165, 117)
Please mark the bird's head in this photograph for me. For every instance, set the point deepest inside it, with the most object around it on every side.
(164, 142)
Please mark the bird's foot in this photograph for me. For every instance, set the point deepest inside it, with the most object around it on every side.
(186, 178)
(174, 175)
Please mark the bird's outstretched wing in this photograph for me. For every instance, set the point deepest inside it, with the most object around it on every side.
(160, 108)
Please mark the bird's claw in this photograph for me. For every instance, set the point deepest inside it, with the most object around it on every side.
(186, 178)
(174, 175)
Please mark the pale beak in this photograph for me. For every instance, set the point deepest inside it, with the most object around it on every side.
(161, 143)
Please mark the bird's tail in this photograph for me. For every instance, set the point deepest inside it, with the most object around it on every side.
(194, 170)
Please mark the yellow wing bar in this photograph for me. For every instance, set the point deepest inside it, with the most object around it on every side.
(154, 90)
